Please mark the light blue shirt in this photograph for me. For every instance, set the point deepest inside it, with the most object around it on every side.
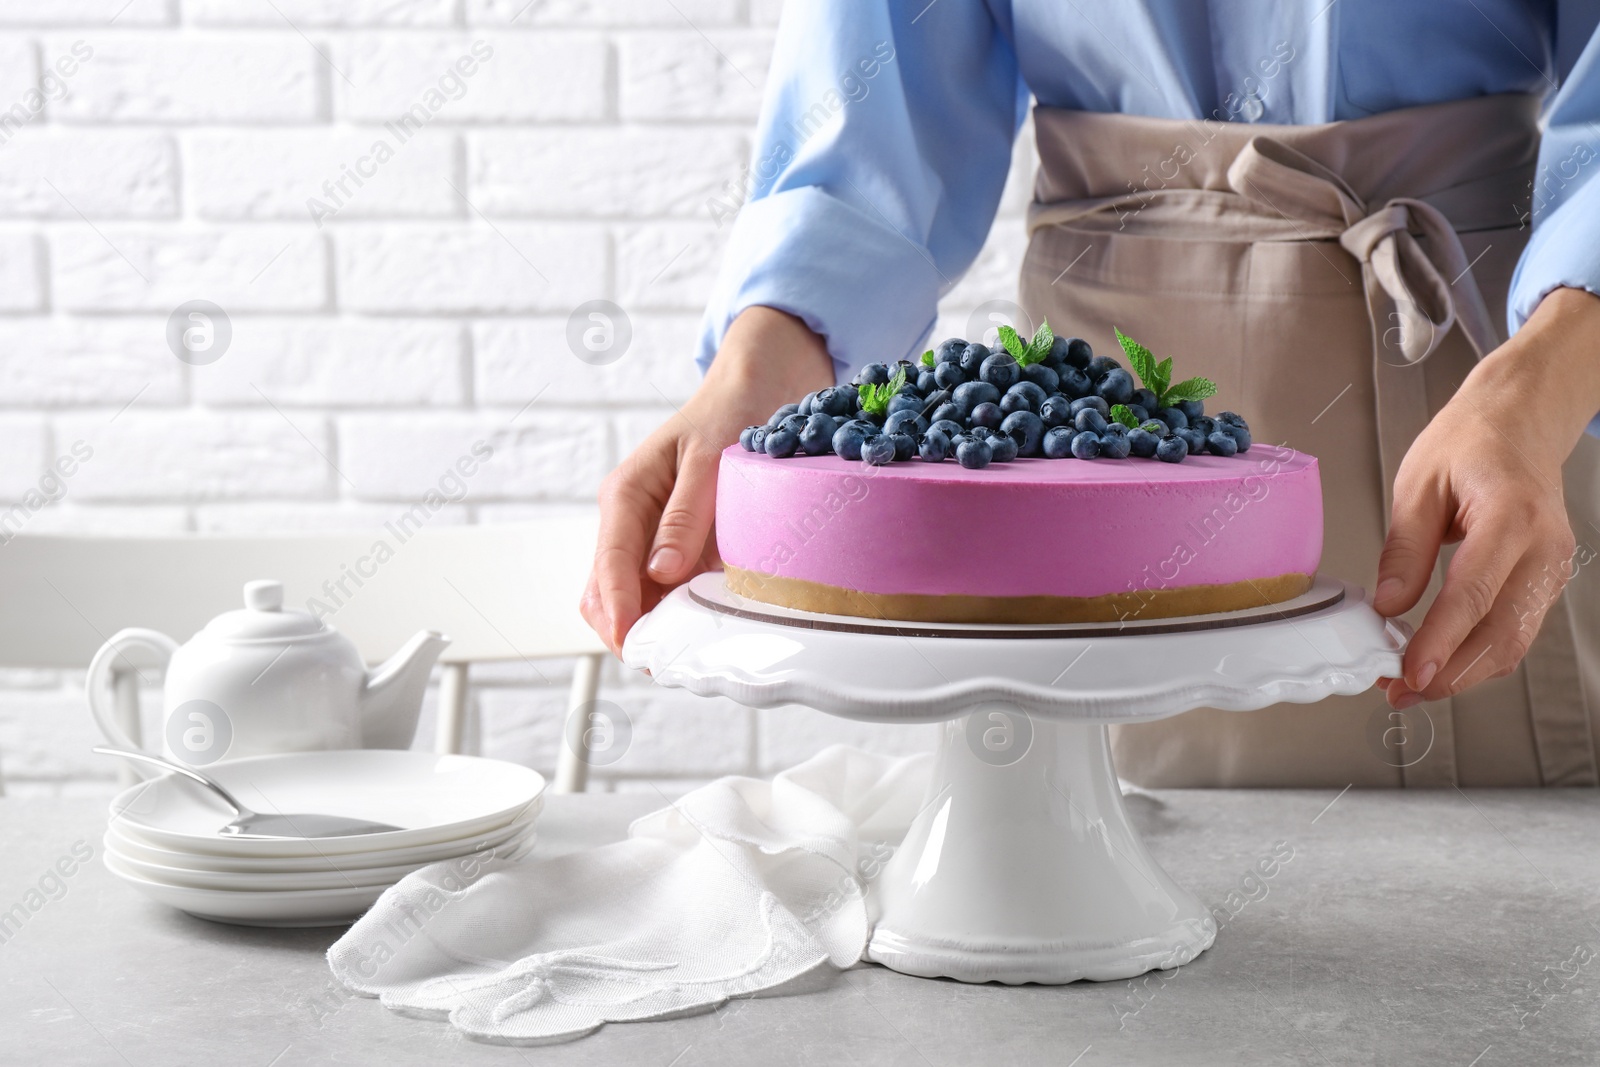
(886, 133)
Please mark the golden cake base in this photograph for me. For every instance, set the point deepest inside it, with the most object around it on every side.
(802, 595)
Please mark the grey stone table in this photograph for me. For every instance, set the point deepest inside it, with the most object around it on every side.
(1443, 928)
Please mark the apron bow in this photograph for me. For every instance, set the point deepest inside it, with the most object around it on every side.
(1414, 297)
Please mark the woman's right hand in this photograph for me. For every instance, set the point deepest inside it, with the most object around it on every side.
(656, 507)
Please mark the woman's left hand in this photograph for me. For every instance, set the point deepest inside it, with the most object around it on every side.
(1487, 473)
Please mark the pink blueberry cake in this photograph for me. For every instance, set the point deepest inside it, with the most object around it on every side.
(1033, 540)
(1031, 482)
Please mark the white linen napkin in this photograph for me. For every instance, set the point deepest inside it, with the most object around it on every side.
(742, 886)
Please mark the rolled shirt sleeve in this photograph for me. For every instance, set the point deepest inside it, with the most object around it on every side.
(1564, 249)
(880, 157)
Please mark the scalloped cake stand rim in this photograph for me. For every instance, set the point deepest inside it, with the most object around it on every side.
(1340, 649)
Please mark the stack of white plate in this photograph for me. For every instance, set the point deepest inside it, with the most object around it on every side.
(163, 836)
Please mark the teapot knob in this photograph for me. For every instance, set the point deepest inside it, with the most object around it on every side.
(265, 595)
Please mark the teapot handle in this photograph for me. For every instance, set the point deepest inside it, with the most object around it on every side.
(100, 668)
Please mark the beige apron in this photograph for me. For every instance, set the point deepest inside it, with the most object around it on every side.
(1338, 282)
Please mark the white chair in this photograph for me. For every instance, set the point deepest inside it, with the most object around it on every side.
(507, 592)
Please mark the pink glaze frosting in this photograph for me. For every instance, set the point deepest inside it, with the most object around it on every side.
(1029, 527)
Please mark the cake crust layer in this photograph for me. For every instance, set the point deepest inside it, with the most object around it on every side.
(819, 597)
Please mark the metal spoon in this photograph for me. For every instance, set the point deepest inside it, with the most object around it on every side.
(250, 824)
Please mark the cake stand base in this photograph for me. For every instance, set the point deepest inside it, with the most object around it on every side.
(1022, 865)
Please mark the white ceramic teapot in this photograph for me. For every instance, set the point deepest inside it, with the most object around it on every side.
(262, 679)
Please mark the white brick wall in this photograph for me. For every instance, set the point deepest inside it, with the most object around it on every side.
(563, 150)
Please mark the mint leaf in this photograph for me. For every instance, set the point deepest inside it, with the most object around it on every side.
(875, 398)
(1013, 343)
(1163, 379)
(1124, 414)
(1039, 348)
(927, 359)
(1190, 389)
(1141, 360)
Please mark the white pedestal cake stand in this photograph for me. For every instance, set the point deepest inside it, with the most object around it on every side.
(1022, 865)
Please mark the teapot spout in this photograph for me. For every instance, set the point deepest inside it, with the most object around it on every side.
(391, 701)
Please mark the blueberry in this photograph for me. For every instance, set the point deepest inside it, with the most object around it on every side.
(981, 433)
(817, 435)
(1030, 395)
(1192, 409)
(1001, 371)
(1075, 383)
(1075, 353)
(1002, 449)
(1100, 366)
(988, 415)
(878, 451)
(1191, 438)
(1171, 449)
(1090, 421)
(1231, 418)
(1086, 445)
(1221, 443)
(1157, 427)
(794, 424)
(782, 443)
(927, 381)
(1057, 442)
(783, 413)
(948, 427)
(1144, 398)
(1042, 376)
(949, 351)
(969, 395)
(974, 454)
(847, 441)
(1173, 417)
(1096, 402)
(948, 375)
(746, 438)
(905, 401)
(1142, 443)
(1115, 445)
(946, 412)
(758, 439)
(905, 445)
(1114, 429)
(904, 421)
(873, 374)
(1116, 387)
(1056, 410)
(834, 401)
(1240, 434)
(935, 446)
(1026, 429)
(1013, 402)
(805, 407)
(972, 358)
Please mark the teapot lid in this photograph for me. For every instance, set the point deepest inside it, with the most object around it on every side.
(263, 617)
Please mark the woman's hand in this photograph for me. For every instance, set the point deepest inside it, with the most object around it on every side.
(1487, 473)
(656, 507)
